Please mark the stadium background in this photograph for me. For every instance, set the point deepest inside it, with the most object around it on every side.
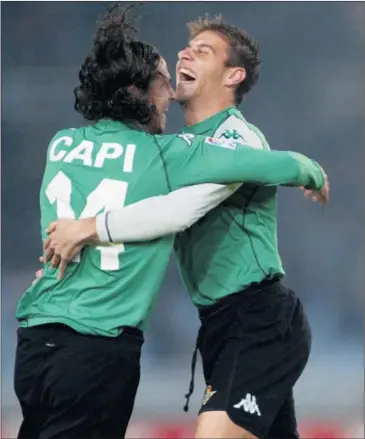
(310, 98)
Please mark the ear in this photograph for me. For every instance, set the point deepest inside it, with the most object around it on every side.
(134, 90)
(234, 76)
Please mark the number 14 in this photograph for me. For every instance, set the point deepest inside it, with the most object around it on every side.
(107, 195)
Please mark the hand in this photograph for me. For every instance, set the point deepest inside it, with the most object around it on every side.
(66, 239)
(321, 195)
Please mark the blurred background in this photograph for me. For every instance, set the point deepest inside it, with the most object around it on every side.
(310, 98)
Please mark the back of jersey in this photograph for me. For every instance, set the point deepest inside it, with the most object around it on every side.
(89, 170)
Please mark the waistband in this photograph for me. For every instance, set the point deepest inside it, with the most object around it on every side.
(130, 330)
(233, 298)
(60, 327)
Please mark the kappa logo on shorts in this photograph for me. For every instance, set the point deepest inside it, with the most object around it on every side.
(209, 392)
(249, 405)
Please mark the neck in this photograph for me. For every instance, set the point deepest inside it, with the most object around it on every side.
(198, 110)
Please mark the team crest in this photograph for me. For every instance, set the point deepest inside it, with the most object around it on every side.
(220, 142)
(209, 392)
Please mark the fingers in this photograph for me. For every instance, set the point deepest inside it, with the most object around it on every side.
(322, 196)
(55, 252)
(61, 245)
(58, 254)
(38, 275)
(48, 246)
(61, 269)
(48, 251)
(47, 243)
(48, 255)
(56, 259)
(325, 192)
(308, 193)
(52, 227)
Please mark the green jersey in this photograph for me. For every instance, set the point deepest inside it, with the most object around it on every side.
(235, 244)
(108, 165)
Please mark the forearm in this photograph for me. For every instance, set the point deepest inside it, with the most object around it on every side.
(274, 168)
(159, 216)
(220, 165)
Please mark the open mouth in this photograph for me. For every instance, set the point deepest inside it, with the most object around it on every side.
(187, 75)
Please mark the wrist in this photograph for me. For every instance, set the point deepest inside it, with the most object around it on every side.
(320, 180)
(89, 233)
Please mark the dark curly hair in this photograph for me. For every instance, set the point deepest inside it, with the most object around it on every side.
(116, 63)
(244, 50)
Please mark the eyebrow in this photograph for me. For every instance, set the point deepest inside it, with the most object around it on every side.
(167, 77)
(204, 45)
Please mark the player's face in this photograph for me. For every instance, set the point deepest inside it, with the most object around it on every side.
(160, 94)
(201, 67)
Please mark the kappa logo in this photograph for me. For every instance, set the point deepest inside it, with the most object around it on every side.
(232, 134)
(188, 137)
(249, 405)
(209, 392)
(220, 142)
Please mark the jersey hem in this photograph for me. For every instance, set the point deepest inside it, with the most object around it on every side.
(81, 329)
(224, 294)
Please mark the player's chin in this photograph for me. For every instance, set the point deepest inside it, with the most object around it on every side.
(184, 91)
(158, 124)
(163, 123)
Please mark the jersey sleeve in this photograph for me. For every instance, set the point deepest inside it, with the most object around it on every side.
(241, 132)
(154, 217)
(190, 159)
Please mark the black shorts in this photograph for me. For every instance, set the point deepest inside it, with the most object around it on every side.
(254, 346)
(75, 386)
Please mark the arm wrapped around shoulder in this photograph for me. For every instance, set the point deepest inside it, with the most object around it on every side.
(161, 215)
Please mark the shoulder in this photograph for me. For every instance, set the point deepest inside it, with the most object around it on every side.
(175, 141)
(237, 129)
(65, 132)
(63, 135)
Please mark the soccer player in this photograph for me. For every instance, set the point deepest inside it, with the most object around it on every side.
(255, 338)
(79, 342)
